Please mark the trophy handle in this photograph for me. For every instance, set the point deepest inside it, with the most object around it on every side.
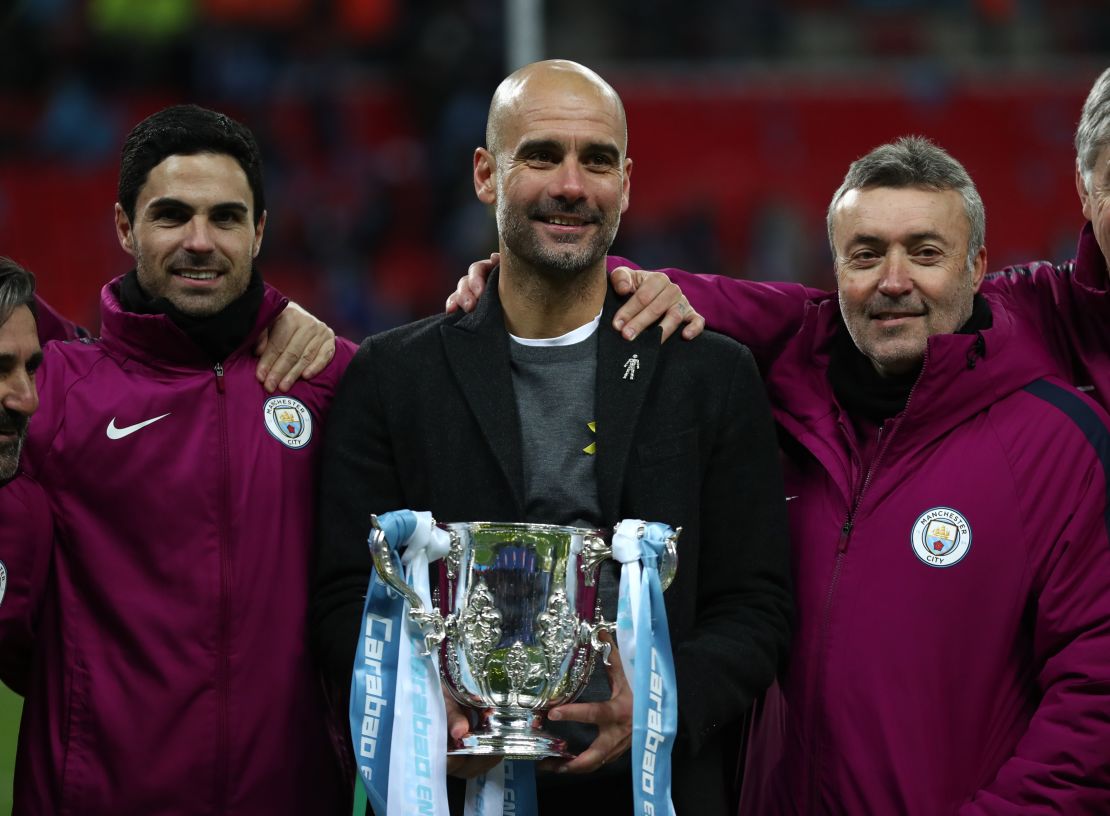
(595, 550)
(591, 633)
(668, 562)
(430, 623)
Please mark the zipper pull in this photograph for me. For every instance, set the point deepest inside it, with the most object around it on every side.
(219, 369)
(977, 351)
(845, 532)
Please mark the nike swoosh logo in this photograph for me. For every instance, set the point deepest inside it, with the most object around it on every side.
(791, 498)
(119, 433)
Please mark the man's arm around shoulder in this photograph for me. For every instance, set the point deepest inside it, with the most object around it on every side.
(762, 316)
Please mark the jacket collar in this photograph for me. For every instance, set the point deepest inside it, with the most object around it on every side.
(1091, 267)
(154, 339)
(477, 350)
(619, 399)
(962, 374)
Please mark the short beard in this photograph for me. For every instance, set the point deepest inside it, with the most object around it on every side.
(9, 458)
(10, 450)
(515, 228)
(203, 308)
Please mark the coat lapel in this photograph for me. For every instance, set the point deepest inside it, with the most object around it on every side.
(624, 374)
(477, 350)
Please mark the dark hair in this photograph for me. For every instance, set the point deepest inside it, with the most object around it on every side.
(17, 288)
(185, 130)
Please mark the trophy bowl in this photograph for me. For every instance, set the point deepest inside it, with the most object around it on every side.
(517, 622)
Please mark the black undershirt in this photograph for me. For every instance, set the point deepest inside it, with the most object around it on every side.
(217, 335)
(863, 392)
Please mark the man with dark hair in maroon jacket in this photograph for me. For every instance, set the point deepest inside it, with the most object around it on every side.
(170, 672)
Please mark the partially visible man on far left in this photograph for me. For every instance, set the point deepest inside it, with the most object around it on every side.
(24, 553)
(20, 356)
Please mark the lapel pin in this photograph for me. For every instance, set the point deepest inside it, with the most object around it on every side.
(631, 366)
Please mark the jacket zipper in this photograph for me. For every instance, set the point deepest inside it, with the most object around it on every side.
(222, 758)
(841, 550)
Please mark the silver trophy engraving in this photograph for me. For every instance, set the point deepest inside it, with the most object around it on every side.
(518, 624)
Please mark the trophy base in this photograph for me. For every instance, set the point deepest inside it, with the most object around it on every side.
(513, 734)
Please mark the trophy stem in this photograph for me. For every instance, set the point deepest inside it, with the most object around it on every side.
(512, 732)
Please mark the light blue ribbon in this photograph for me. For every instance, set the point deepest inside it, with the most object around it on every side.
(509, 787)
(645, 645)
(374, 681)
(396, 704)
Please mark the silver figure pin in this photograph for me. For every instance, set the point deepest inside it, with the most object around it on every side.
(631, 366)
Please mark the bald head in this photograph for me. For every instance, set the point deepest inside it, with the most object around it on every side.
(574, 85)
(556, 171)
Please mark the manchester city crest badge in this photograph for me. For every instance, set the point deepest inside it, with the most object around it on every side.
(941, 537)
(288, 421)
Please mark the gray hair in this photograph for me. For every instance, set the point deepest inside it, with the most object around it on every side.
(17, 288)
(1093, 132)
(914, 161)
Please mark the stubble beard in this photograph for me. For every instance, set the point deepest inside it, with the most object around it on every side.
(195, 306)
(902, 358)
(580, 255)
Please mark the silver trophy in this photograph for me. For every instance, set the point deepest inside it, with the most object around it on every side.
(517, 624)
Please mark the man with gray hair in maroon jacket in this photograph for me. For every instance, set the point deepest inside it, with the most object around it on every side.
(914, 409)
(950, 519)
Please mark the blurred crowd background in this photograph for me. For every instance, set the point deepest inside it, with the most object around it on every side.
(743, 115)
